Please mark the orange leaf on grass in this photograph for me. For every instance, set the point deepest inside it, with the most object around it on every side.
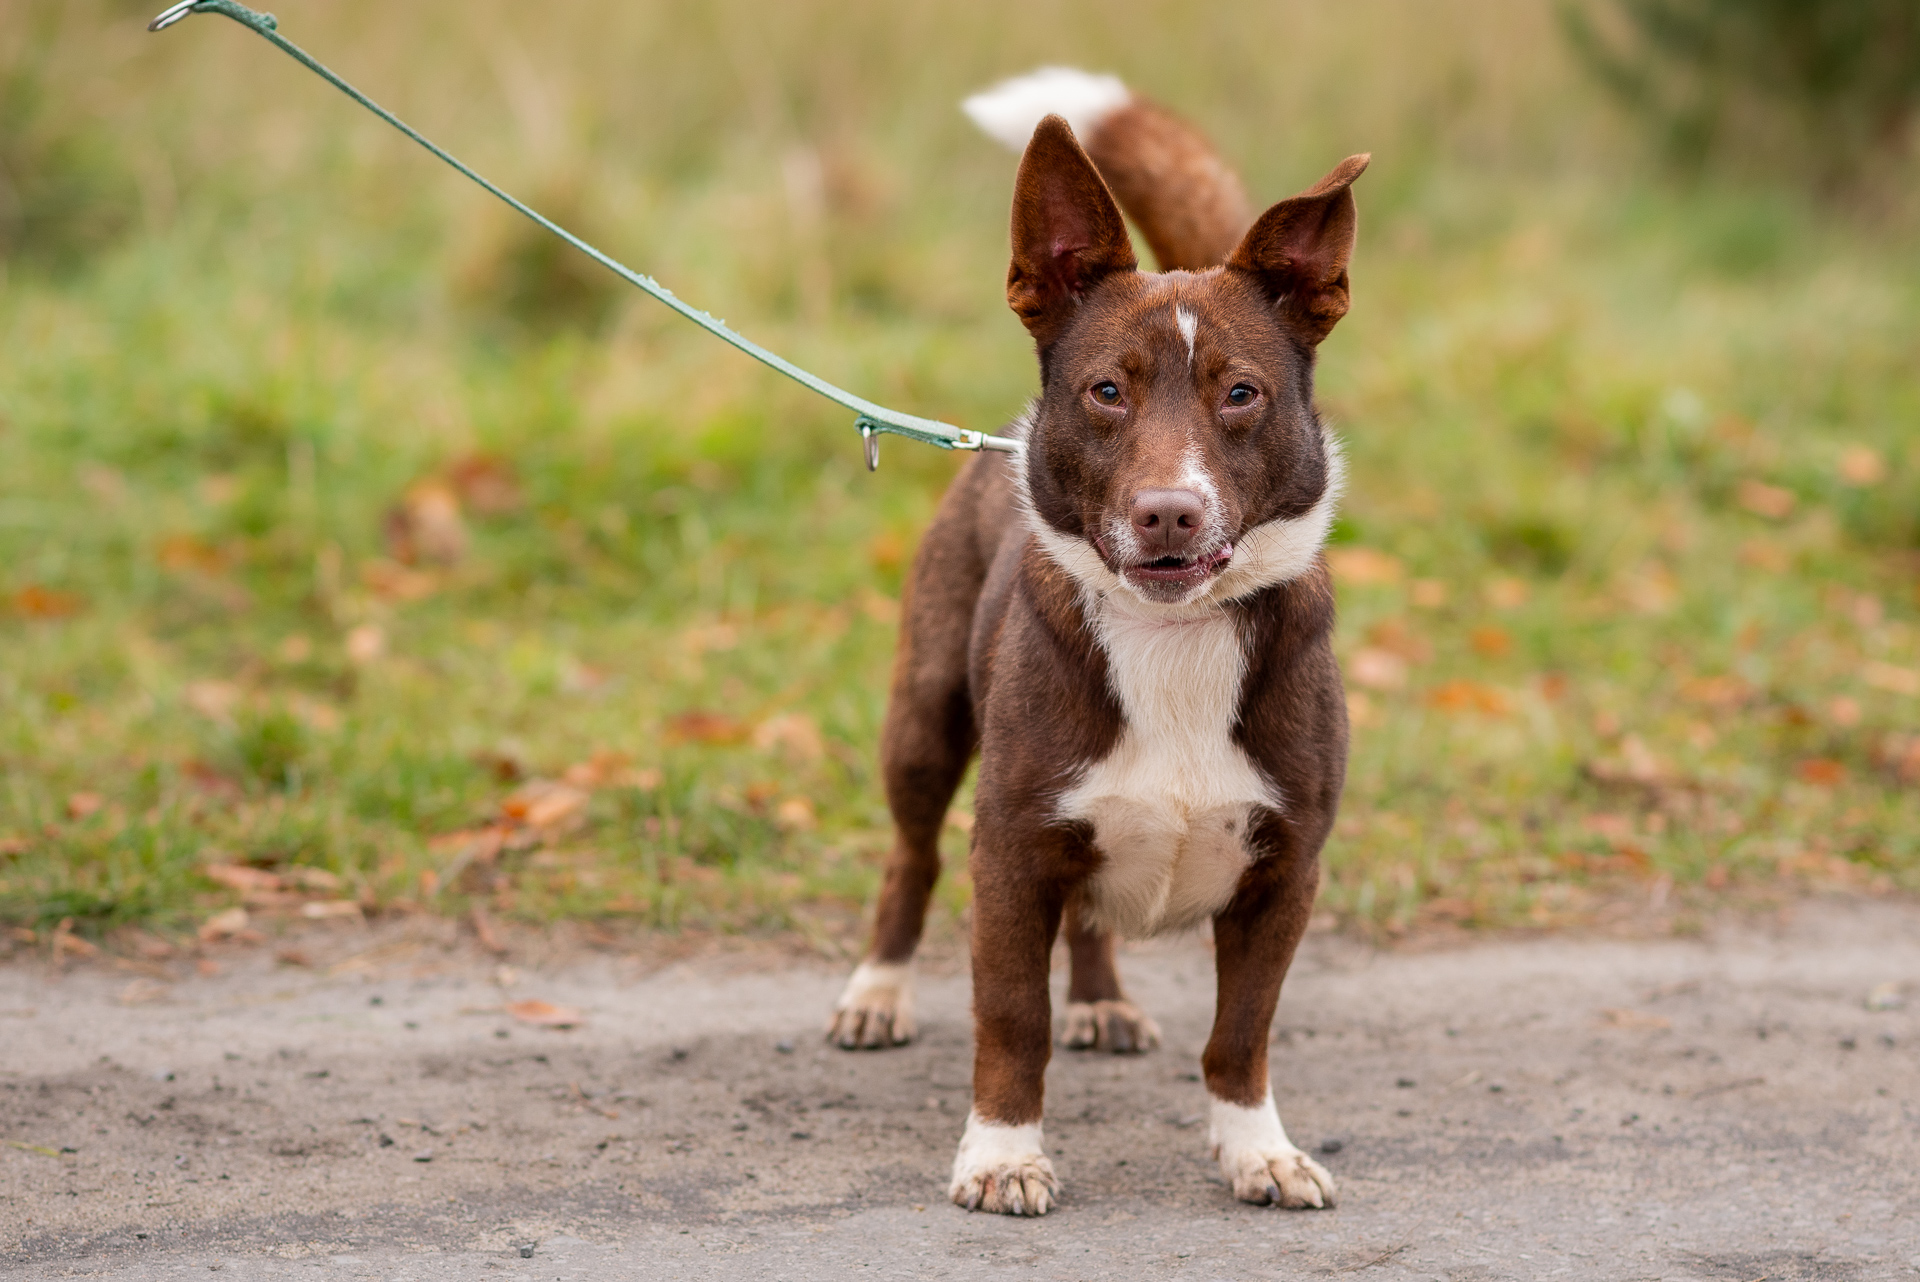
(1770, 501)
(544, 1014)
(38, 602)
(1378, 669)
(1823, 772)
(1493, 642)
(697, 725)
(241, 878)
(1363, 566)
(1469, 696)
(544, 803)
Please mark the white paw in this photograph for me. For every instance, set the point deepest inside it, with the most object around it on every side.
(876, 1009)
(1003, 1169)
(1120, 1027)
(1260, 1161)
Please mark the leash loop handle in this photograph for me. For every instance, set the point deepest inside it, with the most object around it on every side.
(871, 419)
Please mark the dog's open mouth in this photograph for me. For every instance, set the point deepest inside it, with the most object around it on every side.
(1179, 573)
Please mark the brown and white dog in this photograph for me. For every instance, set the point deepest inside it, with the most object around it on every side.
(1130, 622)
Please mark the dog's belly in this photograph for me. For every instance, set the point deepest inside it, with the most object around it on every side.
(1172, 835)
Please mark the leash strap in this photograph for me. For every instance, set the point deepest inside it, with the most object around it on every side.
(872, 420)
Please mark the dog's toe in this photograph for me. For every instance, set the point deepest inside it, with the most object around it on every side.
(1003, 1169)
(1117, 1026)
(1287, 1178)
(876, 1009)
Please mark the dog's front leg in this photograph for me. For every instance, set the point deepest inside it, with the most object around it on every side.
(1002, 1163)
(1254, 941)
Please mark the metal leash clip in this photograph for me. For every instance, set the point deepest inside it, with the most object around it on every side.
(172, 15)
(870, 439)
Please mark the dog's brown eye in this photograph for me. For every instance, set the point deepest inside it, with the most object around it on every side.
(1241, 395)
(1107, 393)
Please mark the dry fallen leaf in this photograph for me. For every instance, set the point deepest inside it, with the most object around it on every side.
(1822, 772)
(144, 991)
(392, 581)
(1770, 501)
(214, 700)
(700, 726)
(426, 525)
(223, 925)
(544, 1014)
(1470, 696)
(325, 909)
(38, 602)
(248, 881)
(366, 643)
(1363, 566)
(1620, 1017)
(1493, 642)
(795, 734)
(1428, 594)
(795, 814)
(1861, 465)
(483, 931)
(545, 803)
(1378, 669)
(486, 483)
(1506, 593)
(1888, 677)
(84, 805)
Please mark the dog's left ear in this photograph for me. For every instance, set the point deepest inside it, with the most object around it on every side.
(1067, 232)
(1300, 248)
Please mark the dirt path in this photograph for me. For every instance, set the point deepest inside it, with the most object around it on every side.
(1727, 1108)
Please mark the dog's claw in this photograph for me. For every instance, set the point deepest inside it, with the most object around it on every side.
(876, 1010)
(1117, 1026)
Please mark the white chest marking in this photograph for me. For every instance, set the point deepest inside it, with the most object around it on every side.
(1171, 804)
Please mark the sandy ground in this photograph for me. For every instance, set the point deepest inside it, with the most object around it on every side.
(1720, 1108)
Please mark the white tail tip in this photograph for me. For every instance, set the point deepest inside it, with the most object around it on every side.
(1009, 111)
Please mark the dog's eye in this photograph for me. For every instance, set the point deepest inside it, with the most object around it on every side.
(1107, 393)
(1242, 395)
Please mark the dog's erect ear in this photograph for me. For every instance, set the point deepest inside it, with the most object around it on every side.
(1300, 249)
(1067, 232)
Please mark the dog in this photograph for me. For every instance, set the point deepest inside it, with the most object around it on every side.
(1131, 623)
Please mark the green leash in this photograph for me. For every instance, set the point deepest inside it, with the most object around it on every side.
(870, 419)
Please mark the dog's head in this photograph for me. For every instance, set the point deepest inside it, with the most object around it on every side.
(1174, 449)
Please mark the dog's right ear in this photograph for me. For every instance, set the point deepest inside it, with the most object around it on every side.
(1067, 232)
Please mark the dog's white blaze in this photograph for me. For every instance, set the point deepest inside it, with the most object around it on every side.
(1009, 111)
(987, 1148)
(1171, 803)
(1189, 325)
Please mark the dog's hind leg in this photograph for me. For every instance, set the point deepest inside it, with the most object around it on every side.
(1099, 1017)
(928, 739)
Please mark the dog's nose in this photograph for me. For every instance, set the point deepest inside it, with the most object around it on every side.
(1167, 520)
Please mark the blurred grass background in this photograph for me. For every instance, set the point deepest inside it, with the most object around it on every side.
(369, 549)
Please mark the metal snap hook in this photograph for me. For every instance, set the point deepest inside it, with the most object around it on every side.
(871, 440)
(172, 15)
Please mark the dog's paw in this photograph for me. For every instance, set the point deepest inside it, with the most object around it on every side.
(1003, 1169)
(876, 1009)
(1263, 1166)
(1120, 1027)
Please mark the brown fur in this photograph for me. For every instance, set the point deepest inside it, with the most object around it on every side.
(1186, 200)
(998, 652)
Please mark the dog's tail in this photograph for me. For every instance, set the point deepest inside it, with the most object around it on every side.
(1164, 173)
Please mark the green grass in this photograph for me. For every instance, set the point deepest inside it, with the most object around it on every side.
(1628, 559)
